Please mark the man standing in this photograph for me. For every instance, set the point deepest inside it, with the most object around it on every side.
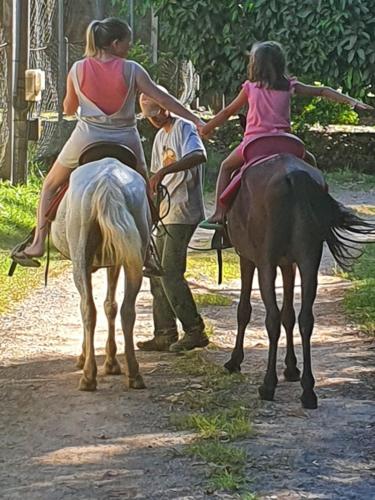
(177, 157)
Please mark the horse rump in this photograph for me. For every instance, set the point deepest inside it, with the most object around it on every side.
(328, 220)
(121, 240)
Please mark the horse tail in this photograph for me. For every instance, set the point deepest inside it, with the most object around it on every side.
(121, 240)
(329, 220)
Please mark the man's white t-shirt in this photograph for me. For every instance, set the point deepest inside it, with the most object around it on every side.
(185, 187)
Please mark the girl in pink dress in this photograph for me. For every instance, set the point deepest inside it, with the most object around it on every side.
(267, 93)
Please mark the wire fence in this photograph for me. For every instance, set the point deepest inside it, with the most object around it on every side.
(4, 96)
(45, 54)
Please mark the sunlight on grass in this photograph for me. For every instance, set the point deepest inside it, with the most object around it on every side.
(24, 280)
(203, 265)
(17, 216)
(211, 299)
(360, 301)
(365, 210)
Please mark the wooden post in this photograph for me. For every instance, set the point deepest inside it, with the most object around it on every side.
(21, 14)
(62, 69)
(154, 37)
(131, 17)
(6, 171)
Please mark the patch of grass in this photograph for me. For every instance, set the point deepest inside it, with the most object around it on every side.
(211, 299)
(223, 424)
(360, 301)
(218, 453)
(203, 266)
(347, 178)
(222, 419)
(226, 480)
(17, 216)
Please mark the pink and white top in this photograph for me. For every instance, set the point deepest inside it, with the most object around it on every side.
(103, 83)
(269, 110)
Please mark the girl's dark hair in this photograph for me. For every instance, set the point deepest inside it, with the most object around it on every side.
(267, 66)
(100, 34)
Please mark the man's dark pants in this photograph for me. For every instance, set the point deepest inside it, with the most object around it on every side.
(171, 293)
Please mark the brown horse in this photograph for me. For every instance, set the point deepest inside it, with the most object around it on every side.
(281, 216)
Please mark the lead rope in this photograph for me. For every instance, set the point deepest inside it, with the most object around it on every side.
(48, 254)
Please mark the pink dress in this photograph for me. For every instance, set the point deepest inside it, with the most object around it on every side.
(269, 111)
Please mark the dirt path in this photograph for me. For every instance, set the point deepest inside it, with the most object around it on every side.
(57, 442)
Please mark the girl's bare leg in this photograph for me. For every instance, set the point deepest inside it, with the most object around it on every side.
(55, 178)
(229, 165)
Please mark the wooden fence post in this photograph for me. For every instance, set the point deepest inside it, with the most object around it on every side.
(20, 105)
(7, 23)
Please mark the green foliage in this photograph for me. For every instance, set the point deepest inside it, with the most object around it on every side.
(331, 38)
(346, 178)
(321, 112)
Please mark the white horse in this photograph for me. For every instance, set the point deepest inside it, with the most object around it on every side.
(104, 221)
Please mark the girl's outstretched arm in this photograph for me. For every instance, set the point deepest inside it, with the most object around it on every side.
(223, 115)
(328, 93)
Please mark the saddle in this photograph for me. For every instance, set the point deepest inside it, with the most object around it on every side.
(258, 149)
(94, 152)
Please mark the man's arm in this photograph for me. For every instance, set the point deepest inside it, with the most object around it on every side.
(188, 161)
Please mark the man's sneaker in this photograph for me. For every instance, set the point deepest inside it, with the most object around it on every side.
(189, 341)
(159, 343)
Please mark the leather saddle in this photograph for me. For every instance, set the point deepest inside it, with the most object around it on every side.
(94, 152)
(258, 149)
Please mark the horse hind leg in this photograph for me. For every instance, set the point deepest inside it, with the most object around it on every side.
(309, 273)
(243, 315)
(267, 275)
(82, 279)
(111, 364)
(288, 319)
(133, 281)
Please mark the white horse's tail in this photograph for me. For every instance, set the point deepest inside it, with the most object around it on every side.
(122, 244)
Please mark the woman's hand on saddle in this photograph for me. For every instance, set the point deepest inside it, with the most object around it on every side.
(156, 180)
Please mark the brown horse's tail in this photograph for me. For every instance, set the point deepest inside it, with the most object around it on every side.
(329, 220)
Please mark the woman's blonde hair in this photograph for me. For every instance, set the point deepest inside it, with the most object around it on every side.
(267, 66)
(101, 34)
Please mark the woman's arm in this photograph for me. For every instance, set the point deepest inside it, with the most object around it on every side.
(225, 113)
(328, 93)
(166, 101)
(71, 103)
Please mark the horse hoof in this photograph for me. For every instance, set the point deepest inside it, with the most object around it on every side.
(87, 385)
(232, 366)
(112, 367)
(292, 374)
(80, 362)
(309, 401)
(137, 382)
(266, 393)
